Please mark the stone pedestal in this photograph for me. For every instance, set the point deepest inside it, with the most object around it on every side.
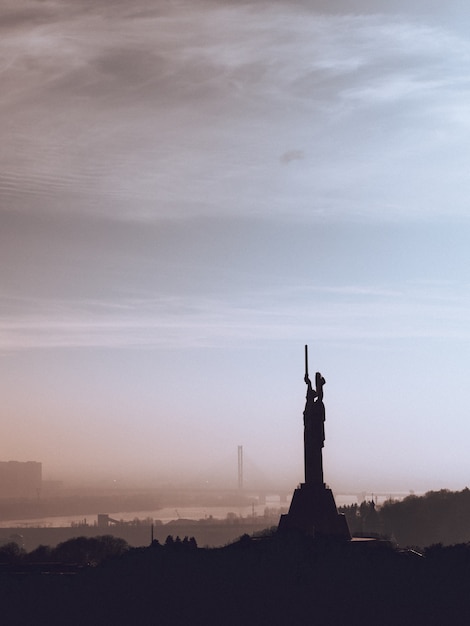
(313, 512)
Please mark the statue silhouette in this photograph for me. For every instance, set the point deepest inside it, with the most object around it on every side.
(313, 510)
(314, 430)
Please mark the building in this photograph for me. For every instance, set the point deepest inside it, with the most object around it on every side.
(20, 480)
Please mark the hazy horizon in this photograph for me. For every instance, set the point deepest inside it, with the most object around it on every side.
(192, 191)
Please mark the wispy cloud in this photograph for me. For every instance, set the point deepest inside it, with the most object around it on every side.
(190, 108)
(348, 313)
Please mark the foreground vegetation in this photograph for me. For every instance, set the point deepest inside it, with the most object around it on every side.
(270, 580)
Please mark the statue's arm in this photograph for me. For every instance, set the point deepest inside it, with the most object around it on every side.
(311, 393)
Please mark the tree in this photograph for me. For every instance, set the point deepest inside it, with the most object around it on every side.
(11, 552)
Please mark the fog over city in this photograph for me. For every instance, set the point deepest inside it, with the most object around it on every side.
(190, 191)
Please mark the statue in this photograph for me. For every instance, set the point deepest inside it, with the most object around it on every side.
(313, 509)
(314, 427)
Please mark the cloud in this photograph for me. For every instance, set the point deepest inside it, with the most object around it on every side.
(70, 281)
(182, 109)
(292, 155)
(331, 313)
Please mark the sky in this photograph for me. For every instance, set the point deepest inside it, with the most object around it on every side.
(190, 192)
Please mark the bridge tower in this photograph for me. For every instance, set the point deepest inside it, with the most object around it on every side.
(240, 467)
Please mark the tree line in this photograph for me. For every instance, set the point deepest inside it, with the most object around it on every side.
(436, 517)
(85, 551)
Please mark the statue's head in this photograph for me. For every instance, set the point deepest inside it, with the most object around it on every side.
(319, 380)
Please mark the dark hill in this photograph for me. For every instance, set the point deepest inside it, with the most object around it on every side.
(268, 581)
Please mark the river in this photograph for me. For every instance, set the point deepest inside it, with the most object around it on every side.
(164, 515)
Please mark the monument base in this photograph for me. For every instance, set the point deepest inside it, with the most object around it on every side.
(313, 512)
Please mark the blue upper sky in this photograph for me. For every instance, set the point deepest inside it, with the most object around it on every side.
(190, 191)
